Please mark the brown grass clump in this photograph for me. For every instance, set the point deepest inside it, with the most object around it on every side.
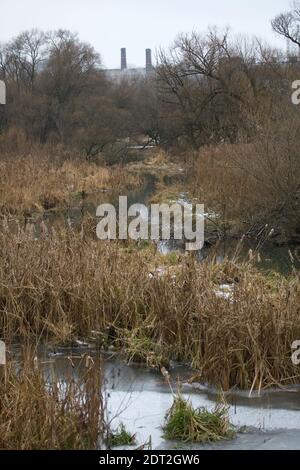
(71, 284)
(43, 413)
(35, 183)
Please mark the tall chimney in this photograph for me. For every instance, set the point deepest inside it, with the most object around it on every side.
(148, 60)
(123, 59)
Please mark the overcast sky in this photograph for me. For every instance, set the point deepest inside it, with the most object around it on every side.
(138, 24)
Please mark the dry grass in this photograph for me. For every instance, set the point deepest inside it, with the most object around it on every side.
(43, 413)
(160, 157)
(35, 183)
(68, 283)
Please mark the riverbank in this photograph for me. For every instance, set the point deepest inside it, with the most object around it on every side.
(37, 182)
(268, 420)
(227, 315)
(218, 314)
(228, 321)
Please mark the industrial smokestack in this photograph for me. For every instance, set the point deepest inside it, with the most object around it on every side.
(123, 59)
(148, 60)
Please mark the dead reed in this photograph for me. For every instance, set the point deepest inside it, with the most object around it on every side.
(37, 182)
(40, 412)
(64, 285)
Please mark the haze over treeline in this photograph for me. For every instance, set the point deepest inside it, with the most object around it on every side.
(209, 88)
(137, 24)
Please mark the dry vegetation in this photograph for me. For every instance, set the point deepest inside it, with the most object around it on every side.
(224, 104)
(63, 286)
(37, 182)
(37, 412)
(251, 185)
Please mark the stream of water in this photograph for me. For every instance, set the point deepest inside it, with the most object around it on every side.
(139, 398)
(272, 257)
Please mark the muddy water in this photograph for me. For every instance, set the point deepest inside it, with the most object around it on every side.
(139, 398)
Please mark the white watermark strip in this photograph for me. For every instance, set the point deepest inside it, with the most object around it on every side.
(2, 92)
(138, 222)
(296, 354)
(296, 93)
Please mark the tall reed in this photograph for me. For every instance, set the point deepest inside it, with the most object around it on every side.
(38, 411)
(66, 284)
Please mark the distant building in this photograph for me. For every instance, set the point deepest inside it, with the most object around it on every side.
(131, 72)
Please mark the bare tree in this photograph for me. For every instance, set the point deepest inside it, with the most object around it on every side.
(288, 24)
(212, 79)
(22, 57)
